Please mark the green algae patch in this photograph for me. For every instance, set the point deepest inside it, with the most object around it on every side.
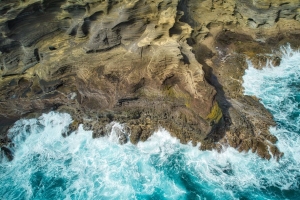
(215, 114)
(171, 93)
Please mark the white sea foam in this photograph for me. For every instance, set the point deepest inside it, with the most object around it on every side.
(48, 166)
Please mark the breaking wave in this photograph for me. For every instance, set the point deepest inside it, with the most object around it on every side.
(48, 166)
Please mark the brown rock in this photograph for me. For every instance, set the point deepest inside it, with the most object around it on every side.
(98, 131)
(262, 150)
(146, 133)
(135, 134)
(147, 63)
(72, 127)
(246, 145)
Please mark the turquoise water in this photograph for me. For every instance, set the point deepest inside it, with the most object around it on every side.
(48, 166)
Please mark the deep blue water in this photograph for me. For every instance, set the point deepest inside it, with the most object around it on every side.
(48, 166)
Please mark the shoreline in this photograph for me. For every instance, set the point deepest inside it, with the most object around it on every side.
(143, 127)
(174, 69)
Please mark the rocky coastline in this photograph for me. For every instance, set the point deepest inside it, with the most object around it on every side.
(176, 64)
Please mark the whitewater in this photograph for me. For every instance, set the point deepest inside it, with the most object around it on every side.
(48, 166)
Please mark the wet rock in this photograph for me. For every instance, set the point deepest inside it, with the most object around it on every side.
(136, 132)
(246, 145)
(276, 61)
(146, 133)
(87, 126)
(262, 150)
(272, 138)
(98, 131)
(207, 146)
(122, 136)
(276, 152)
(8, 153)
(72, 127)
(146, 64)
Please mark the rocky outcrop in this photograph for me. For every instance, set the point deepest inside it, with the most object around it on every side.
(143, 63)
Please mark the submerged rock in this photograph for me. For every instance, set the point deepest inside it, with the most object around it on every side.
(122, 136)
(8, 153)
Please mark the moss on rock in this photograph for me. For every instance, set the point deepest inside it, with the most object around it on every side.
(215, 114)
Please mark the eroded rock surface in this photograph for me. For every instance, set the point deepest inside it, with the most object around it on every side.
(144, 63)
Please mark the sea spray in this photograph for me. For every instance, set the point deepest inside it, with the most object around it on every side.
(49, 166)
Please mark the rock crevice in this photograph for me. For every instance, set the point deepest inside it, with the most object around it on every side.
(144, 63)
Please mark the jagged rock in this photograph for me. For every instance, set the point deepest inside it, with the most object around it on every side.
(136, 132)
(72, 127)
(8, 153)
(145, 63)
(103, 40)
(146, 133)
(87, 126)
(98, 131)
(246, 145)
(122, 136)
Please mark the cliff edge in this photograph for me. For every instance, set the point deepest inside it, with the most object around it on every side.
(145, 63)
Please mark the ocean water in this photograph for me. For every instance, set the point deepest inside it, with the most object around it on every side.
(49, 166)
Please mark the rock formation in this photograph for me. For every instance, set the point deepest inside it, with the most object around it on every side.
(144, 63)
